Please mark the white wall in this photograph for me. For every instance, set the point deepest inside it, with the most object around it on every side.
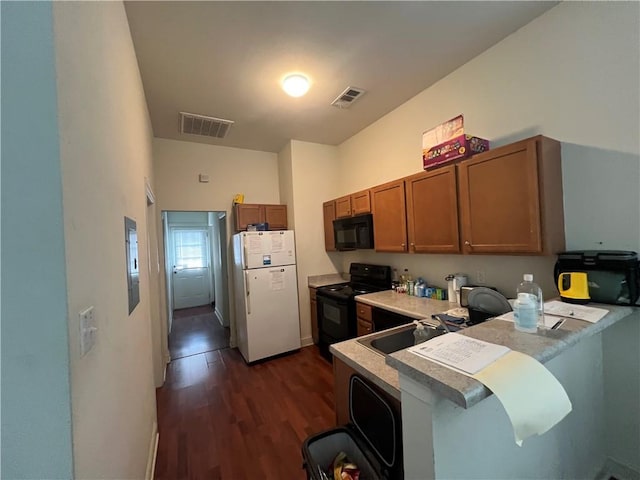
(572, 74)
(556, 76)
(231, 170)
(36, 411)
(105, 138)
(307, 176)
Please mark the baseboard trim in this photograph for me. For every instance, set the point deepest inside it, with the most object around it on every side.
(153, 452)
(306, 341)
(219, 317)
(613, 468)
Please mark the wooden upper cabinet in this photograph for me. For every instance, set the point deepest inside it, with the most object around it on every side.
(249, 213)
(343, 207)
(432, 211)
(361, 203)
(276, 216)
(329, 215)
(389, 217)
(511, 199)
(354, 204)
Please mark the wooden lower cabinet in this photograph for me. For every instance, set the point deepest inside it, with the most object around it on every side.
(313, 303)
(389, 217)
(341, 377)
(363, 315)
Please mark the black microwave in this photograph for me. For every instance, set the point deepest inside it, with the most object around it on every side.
(353, 233)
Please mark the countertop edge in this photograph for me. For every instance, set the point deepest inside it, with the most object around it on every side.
(469, 391)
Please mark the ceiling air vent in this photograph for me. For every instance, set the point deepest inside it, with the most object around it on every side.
(195, 124)
(348, 97)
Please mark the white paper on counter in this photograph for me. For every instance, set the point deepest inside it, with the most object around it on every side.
(533, 398)
(570, 310)
(459, 351)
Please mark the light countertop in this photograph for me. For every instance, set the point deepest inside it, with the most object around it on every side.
(457, 387)
(316, 281)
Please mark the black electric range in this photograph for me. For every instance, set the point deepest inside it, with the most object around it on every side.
(337, 306)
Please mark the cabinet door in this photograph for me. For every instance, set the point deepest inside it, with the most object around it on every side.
(500, 201)
(360, 203)
(276, 216)
(343, 207)
(432, 211)
(247, 213)
(389, 217)
(313, 304)
(329, 214)
(364, 327)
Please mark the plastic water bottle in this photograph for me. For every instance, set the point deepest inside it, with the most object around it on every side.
(529, 311)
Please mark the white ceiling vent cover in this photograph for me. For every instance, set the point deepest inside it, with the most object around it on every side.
(195, 124)
(348, 97)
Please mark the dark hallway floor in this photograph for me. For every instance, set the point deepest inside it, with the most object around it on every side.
(196, 330)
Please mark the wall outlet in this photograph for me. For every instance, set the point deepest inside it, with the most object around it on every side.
(87, 330)
(480, 277)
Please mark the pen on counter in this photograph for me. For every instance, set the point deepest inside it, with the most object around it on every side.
(557, 324)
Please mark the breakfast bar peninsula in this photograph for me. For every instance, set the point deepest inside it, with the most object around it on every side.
(454, 427)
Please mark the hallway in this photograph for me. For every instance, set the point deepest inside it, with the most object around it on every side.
(196, 330)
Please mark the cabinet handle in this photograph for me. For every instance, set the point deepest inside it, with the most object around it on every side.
(402, 245)
(467, 243)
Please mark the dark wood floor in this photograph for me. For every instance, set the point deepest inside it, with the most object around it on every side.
(221, 419)
(196, 330)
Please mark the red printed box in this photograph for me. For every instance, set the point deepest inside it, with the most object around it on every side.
(448, 142)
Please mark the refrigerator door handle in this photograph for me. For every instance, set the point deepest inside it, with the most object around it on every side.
(246, 287)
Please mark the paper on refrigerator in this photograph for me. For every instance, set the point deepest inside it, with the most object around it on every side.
(532, 397)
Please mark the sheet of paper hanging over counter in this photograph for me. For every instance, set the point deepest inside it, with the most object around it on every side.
(532, 397)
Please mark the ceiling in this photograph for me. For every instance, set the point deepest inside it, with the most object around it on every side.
(226, 60)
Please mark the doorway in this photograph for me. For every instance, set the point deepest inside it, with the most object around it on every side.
(196, 278)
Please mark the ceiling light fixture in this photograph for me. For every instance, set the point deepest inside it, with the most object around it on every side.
(295, 85)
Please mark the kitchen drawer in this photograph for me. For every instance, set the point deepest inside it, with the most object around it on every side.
(363, 311)
(364, 327)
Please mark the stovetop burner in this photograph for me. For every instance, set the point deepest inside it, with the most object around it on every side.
(364, 279)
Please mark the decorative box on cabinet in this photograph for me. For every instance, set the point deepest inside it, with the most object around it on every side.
(250, 213)
(511, 199)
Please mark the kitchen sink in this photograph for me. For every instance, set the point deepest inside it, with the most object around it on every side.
(399, 338)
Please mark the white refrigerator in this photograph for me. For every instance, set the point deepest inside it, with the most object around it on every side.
(266, 293)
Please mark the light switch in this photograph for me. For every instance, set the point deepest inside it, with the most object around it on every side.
(87, 330)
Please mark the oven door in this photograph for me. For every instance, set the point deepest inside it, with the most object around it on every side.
(334, 319)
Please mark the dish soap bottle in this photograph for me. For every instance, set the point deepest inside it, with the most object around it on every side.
(529, 306)
(420, 335)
